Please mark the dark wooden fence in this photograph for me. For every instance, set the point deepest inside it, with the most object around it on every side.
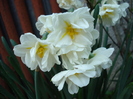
(18, 17)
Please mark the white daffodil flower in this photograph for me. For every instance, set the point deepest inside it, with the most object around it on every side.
(111, 11)
(100, 59)
(78, 77)
(36, 52)
(73, 28)
(67, 4)
(73, 57)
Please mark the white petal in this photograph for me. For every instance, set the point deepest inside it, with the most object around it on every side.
(45, 65)
(85, 67)
(80, 24)
(59, 80)
(20, 50)
(58, 76)
(95, 34)
(98, 71)
(98, 60)
(79, 79)
(72, 88)
(64, 41)
(67, 49)
(28, 37)
(103, 51)
(82, 40)
(66, 63)
(39, 25)
(90, 73)
(28, 61)
(124, 6)
(106, 64)
(61, 84)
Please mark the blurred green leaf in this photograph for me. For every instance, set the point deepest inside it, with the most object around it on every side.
(100, 35)
(13, 60)
(13, 42)
(6, 93)
(12, 75)
(126, 92)
(96, 14)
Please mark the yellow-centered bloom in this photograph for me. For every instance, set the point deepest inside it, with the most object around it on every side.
(73, 28)
(111, 11)
(41, 50)
(36, 52)
(78, 77)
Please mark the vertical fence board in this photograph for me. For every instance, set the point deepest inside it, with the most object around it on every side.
(32, 17)
(23, 15)
(7, 19)
(54, 6)
(38, 7)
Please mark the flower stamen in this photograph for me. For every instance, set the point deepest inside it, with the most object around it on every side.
(41, 50)
(70, 31)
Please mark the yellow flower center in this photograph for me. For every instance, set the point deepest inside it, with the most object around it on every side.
(41, 50)
(76, 74)
(107, 14)
(70, 31)
(28, 47)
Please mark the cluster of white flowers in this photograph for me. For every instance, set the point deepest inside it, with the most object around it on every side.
(70, 36)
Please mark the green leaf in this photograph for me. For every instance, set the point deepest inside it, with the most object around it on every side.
(124, 76)
(71, 10)
(13, 60)
(126, 92)
(95, 15)
(126, 65)
(99, 1)
(105, 38)
(12, 85)
(14, 77)
(16, 67)
(95, 86)
(100, 35)
(13, 42)
(22, 78)
(36, 80)
(9, 72)
(45, 35)
(6, 93)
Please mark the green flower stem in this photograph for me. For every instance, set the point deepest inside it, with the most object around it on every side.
(105, 40)
(36, 83)
(110, 37)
